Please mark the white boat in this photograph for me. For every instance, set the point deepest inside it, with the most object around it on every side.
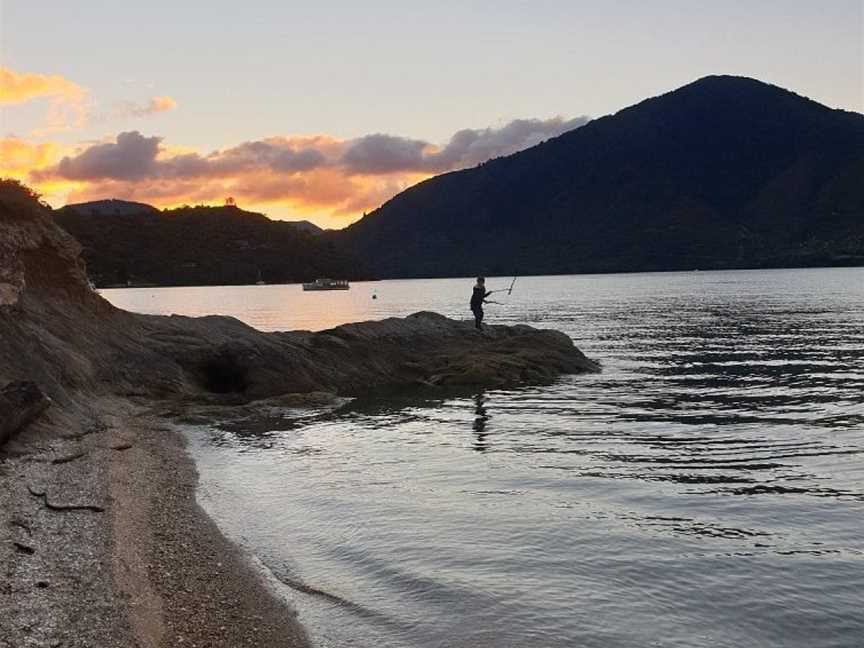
(327, 284)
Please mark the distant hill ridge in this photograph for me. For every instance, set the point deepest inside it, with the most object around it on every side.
(116, 207)
(724, 172)
(111, 207)
(132, 243)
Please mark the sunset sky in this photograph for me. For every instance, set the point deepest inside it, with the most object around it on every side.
(324, 110)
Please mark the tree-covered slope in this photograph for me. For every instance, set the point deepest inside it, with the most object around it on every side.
(201, 246)
(724, 172)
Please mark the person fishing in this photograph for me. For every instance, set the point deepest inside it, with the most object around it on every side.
(478, 298)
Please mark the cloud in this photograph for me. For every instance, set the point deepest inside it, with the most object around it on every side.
(131, 157)
(471, 147)
(136, 157)
(277, 154)
(69, 104)
(375, 154)
(16, 88)
(66, 100)
(19, 157)
(310, 175)
(155, 105)
(159, 104)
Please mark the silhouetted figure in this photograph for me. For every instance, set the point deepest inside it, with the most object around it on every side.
(478, 298)
(480, 418)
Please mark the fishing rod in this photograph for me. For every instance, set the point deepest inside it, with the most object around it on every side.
(509, 290)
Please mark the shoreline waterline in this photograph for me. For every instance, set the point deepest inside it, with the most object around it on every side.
(304, 601)
(204, 585)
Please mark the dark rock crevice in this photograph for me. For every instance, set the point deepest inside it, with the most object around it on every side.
(20, 403)
(223, 374)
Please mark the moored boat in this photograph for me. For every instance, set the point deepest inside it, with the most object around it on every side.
(327, 284)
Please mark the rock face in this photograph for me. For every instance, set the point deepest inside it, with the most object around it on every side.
(223, 356)
(20, 403)
(56, 331)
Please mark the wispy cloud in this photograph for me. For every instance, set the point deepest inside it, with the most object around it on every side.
(155, 105)
(67, 107)
(16, 88)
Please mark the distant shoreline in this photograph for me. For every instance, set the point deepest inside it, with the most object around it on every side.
(859, 263)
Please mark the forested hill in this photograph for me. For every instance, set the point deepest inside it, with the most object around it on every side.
(725, 172)
(200, 246)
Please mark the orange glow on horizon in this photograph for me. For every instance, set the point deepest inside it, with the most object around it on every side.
(291, 177)
(330, 201)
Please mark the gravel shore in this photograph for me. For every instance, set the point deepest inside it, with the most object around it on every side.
(103, 544)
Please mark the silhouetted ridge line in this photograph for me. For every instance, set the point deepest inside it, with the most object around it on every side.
(724, 172)
(131, 243)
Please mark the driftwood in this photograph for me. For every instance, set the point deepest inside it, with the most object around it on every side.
(20, 403)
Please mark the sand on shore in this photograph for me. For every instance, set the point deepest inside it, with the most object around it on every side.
(105, 545)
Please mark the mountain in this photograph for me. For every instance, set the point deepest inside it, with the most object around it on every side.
(115, 207)
(306, 226)
(725, 172)
(111, 207)
(199, 246)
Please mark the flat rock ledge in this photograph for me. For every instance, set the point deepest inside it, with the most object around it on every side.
(221, 356)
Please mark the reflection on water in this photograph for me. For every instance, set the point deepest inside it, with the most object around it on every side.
(706, 489)
(480, 420)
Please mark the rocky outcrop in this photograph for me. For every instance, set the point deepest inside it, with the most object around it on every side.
(223, 356)
(56, 331)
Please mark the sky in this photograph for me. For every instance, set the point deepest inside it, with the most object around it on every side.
(325, 110)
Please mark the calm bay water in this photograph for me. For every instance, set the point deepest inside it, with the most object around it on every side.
(705, 489)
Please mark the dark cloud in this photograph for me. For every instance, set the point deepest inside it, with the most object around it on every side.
(134, 157)
(131, 157)
(380, 154)
(471, 147)
(277, 155)
(376, 154)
